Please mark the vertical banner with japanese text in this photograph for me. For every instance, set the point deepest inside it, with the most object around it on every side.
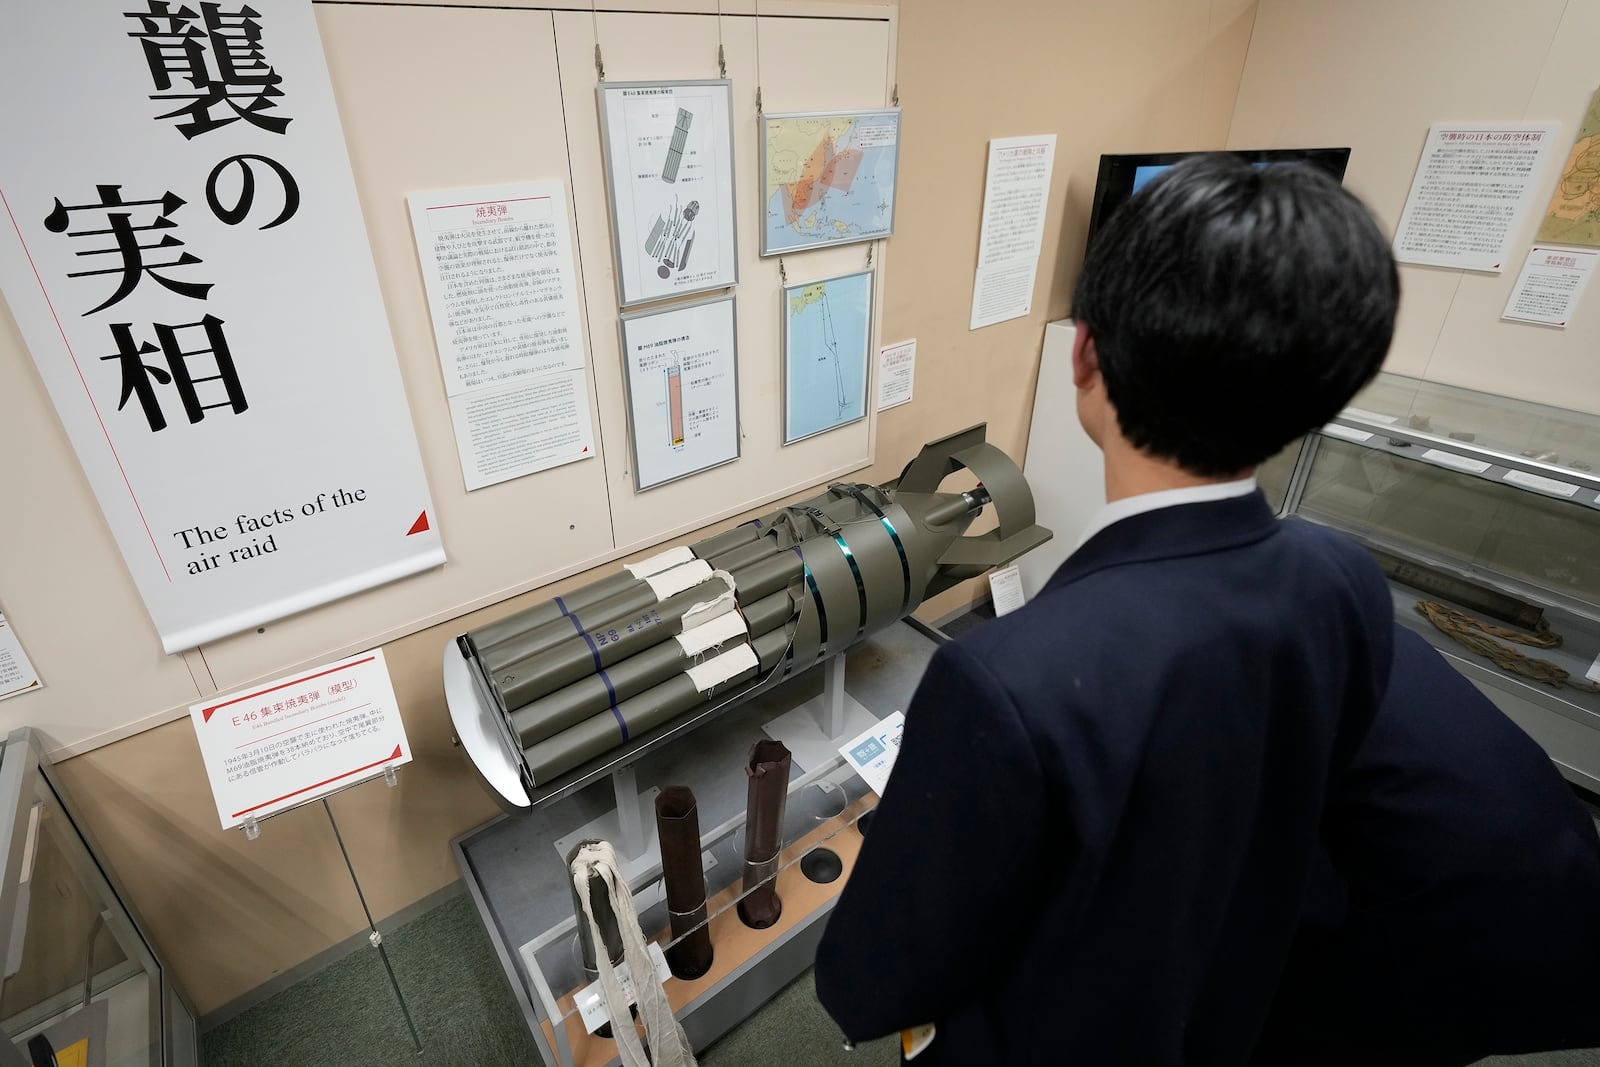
(182, 247)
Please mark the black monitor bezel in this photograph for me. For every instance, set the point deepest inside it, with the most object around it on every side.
(1114, 182)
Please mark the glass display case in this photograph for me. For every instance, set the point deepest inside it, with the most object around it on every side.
(515, 869)
(1485, 515)
(82, 984)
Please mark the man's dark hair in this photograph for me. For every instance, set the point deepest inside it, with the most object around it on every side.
(1234, 308)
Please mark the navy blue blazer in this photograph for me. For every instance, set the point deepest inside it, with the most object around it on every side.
(1461, 916)
(1103, 821)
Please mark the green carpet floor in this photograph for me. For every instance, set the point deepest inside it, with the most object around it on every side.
(346, 1015)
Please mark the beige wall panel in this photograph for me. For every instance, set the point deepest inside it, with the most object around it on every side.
(1375, 75)
(63, 585)
(1476, 349)
(845, 62)
(1147, 76)
(225, 912)
(436, 99)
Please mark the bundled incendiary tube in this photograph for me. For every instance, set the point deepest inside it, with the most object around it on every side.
(592, 694)
(699, 627)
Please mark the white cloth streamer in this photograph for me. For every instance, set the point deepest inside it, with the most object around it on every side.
(705, 610)
(669, 1046)
(725, 627)
(661, 561)
(718, 669)
(674, 581)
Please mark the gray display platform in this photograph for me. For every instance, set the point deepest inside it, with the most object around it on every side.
(519, 883)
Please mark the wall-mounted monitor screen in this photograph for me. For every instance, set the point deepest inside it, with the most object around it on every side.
(1122, 176)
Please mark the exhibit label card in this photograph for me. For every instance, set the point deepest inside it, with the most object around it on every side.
(497, 266)
(1550, 285)
(17, 675)
(871, 754)
(683, 389)
(1005, 589)
(1471, 190)
(192, 277)
(1016, 191)
(591, 1002)
(290, 741)
(897, 373)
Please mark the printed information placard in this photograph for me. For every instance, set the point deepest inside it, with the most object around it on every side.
(502, 291)
(1471, 189)
(286, 742)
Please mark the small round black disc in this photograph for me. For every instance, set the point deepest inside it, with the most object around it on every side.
(821, 865)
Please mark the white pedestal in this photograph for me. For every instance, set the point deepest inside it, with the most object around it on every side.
(814, 731)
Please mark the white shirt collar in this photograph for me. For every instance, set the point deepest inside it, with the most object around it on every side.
(1130, 506)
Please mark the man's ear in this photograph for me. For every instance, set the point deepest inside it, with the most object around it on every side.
(1085, 360)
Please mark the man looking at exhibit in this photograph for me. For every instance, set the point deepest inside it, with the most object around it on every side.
(1104, 831)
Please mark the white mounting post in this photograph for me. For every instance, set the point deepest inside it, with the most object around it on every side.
(252, 828)
(625, 784)
(831, 711)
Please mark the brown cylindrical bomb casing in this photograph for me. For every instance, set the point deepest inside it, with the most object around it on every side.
(678, 828)
(604, 917)
(768, 773)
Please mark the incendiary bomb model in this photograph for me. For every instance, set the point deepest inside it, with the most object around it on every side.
(553, 688)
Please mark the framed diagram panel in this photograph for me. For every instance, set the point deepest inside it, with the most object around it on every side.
(669, 172)
(828, 178)
(682, 370)
(827, 338)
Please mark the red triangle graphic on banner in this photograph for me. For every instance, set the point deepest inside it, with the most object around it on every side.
(420, 526)
(585, 449)
(207, 713)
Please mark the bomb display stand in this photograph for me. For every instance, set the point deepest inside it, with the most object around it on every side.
(514, 872)
(666, 674)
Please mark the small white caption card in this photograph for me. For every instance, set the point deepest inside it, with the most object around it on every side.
(17, 675)
(592, 1006)
(897, 372)
(871, 754)
(1005, 589)
(1550, 285)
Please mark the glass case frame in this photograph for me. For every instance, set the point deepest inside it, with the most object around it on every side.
(1529, 471)
(148, 1021)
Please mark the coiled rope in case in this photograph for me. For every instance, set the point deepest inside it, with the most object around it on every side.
(669, 1046)
(1478, 636)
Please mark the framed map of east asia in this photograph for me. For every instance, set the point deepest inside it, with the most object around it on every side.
(828, 178)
